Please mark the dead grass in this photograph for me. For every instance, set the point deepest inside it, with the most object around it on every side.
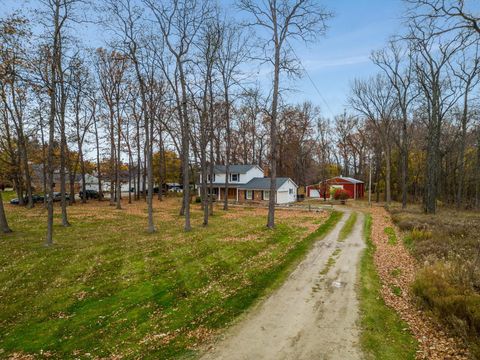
(447, 245)
(434, 342)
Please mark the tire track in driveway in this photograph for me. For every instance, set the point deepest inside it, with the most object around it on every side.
(313, 315)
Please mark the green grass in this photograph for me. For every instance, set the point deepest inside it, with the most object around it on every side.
(396, 272)
(330, 262)
(108, 287)
(8, 195)
(384, 335)
(392, 237)
(396, 290)
(347, 227)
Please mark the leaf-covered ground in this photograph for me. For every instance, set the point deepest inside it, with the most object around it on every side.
(396, 268)
(109, 289)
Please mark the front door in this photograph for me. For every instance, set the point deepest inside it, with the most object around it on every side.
(232, 193)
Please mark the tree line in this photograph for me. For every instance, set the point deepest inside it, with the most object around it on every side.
(170, 77)
(173, 82)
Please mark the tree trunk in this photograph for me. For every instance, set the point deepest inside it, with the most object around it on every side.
(477, 172)
(185, 149)
(112, 159)
(388, 173)
(227, 147)
(63, 145)
(117, 163)
(273, 140)
(3, 219)
(51, 123)
(99, 171)
(461, 155)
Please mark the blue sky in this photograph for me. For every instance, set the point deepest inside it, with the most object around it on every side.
(358, 27)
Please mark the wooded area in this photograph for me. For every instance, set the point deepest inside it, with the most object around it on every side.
(173, 85)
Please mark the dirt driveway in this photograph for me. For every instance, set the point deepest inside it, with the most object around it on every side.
(313, 315)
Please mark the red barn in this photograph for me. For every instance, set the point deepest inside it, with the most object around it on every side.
(354, 187)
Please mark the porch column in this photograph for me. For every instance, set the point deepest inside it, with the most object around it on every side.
(219, 197)
(237, 195)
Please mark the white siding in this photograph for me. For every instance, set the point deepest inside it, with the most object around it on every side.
(252, 173)
(244, 178)
(283, 193)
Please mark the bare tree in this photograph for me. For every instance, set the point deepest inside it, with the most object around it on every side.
(439, 92)
(447, 15)
(396, 63)
(467, 69)
(58, 11)
(179, 23)
(375, 99)
(14, 88)
(232, 53)
(282, 20)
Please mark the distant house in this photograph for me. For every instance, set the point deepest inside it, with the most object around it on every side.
(91, 182)
(38, 180)
(247, 183)
(355, 188)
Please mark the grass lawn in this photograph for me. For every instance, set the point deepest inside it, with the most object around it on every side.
(384, 334)
(109, 288)
(347, 227)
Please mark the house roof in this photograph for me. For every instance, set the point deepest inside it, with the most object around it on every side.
(343, 179)
(263, 183)
(233, 169)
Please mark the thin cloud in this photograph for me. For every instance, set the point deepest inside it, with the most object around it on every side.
(337, 62)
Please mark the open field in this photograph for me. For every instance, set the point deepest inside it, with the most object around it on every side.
(108, 288)
(447, 245)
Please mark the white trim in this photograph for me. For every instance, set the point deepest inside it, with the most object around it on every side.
(251, 194)
(266, 192)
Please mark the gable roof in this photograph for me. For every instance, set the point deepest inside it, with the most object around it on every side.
(263, 183)
(343, 179)
(233, 169)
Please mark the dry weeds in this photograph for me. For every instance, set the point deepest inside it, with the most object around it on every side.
(434, 343)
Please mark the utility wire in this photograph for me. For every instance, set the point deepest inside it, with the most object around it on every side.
(311, 80)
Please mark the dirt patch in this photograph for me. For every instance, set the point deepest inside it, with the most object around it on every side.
(396, 268)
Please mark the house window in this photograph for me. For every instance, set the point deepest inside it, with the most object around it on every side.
(266, 195)
(290, 191)
(234, 177)
(209, 178)
(249, 194)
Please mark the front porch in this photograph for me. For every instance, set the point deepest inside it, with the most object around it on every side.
(219, 193)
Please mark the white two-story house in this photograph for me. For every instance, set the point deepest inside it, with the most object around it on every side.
(247, 183)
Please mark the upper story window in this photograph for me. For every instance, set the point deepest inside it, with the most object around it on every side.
(234, 177)
(290, 191)
(209, 178)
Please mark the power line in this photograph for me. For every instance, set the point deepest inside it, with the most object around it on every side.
(311, 80)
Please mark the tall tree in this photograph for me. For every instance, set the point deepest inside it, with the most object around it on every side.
(375, 100)
(179, 23)
(439, 93)
(397, 64)
(282, 21)
(232, 53)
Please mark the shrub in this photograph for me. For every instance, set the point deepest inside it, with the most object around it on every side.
(452, 303)
(198, 199)
(340, 194)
